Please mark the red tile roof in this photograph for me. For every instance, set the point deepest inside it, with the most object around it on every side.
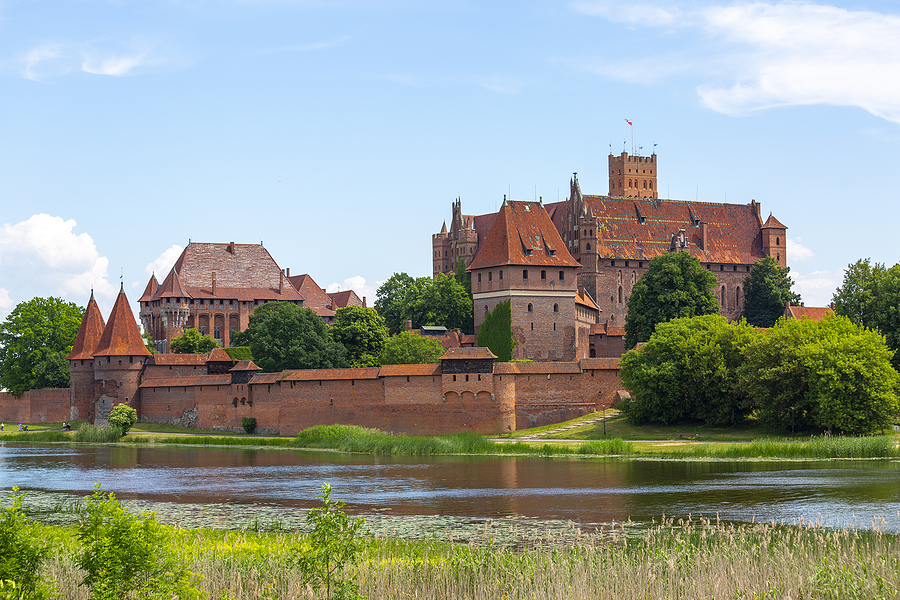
(245, 365)
(89, 332)
(476, 353)
(816, 313)
(409, 370)
(330, 374)
(121, 336)
(219, 355)
(584, 299)
(171, 287)
(537, 368)
(243, 272)
(599, 363)
(344, 299)
(177, 360)
(186, 381)
(733, 230)
(152, 285)
(522, 234)
(314, 297)
(773, 223)
(606, 329)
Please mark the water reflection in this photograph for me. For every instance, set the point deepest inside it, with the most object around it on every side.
(585, 491)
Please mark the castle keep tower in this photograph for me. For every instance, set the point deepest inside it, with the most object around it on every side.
(633, 176)
(81, 362)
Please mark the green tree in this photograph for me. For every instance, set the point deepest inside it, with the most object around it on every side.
(688, 371)
(767, 290)
(391, 300)
(363, 332)
(282, 336)
(870, 296)
(192, 342)
(22, 550)
(407, 348)
(462, 276)
(123, 417)
(128, 555)
(31, 338)
(442, 300)
(496, 332)
(675, 286)
(333, 548)
(829, 374)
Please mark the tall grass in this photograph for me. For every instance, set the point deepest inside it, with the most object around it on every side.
(38, 436)
(685, 559)
(97, 435)
(881, 446)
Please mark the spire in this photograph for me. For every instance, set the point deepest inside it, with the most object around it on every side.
(151, 288)
(89, 333)
(121, 336)
(444, 227)
(171, 287)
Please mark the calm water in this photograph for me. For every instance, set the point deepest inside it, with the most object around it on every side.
(231, 487)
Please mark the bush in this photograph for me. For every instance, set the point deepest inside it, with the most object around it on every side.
(97, 435)
(22, 553)
(123, 417)
(249, 424)
(128, 555)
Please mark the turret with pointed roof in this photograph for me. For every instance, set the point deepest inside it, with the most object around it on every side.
(81, 361)
(89, 333)
(121, 336)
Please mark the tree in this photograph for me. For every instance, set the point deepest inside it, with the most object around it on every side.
(31, 339)
(192, 342)
(391, 300)
(688, 371)
(675, 285)
(462, 276)
(282, 335)
(767, 290)
(123, 417)
(442, 300)
(829, 374)
(23, 551)
(407, 348)
(496, 332)
(363, 332)
(870, 296)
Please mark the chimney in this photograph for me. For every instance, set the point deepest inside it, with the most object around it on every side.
(280, 282)
(214, 283)
(364, 302)
(231, 247)
(288, 271)
(703, 236)
(408, 326)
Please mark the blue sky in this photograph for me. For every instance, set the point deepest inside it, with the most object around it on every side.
(339, 132)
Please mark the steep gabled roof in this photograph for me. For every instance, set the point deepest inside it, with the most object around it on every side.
(773, 223)
(314, 297)
(121, 336)
(151, 288)
(641, 229)
(814, 313)
(171, 287)
(344, 299)
(522, 234)
(243, 272)
(89, 333)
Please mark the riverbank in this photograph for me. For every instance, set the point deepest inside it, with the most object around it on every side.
(688, 559)
(544, 441)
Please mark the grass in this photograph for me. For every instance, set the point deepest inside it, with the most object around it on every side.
(97, 435)
(685, 559)
(618, 426)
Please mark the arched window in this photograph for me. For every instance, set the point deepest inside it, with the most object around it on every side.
(619, 277)
(588, 248)
(556, 308)
(633, 277)
(645, 184)
(620, 294)
(737, 297)
(723, 296)
(651, 185)
(777, 241)
(530, 307)
(486, 311)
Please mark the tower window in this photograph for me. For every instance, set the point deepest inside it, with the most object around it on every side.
(556, 308)
(530, 307)
(543, 275)
(562, 275)
(490, 276)
(525, 274)
(479, 278)
(501, 274)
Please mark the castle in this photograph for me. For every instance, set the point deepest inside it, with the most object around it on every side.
(611, 240)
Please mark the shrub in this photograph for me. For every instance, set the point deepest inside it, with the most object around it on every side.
(123, 417)
(249, 424)
(22, 553)
(128, 555)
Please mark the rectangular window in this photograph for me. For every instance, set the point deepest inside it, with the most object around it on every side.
(562, 275)
(543, 275)
(501, 274)
(202, 329)
(490, 276)
(218, 330)
(479, 278)
(525, 274)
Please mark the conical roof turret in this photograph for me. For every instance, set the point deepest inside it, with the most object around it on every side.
(171, 287)
(121, 336)
(89, 333)
(151, 288)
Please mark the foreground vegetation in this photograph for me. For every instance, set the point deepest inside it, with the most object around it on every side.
(684, 559)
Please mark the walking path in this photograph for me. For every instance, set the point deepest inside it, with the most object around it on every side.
(567, 427)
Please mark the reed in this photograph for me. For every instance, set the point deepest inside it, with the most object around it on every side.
(822, 447)
(38, 436)
(683, 559)
(97, 435)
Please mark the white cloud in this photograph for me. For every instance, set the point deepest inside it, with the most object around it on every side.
(359, 285)
(45, 254)
(767, 54)
(797, 251)
(164, 262)
(6, 303)
(98, 57)
(818, 287)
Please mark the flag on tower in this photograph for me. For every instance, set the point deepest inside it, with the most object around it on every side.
(628, 121)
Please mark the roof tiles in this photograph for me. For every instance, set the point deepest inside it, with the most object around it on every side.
(121, 336)
(89, 332)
